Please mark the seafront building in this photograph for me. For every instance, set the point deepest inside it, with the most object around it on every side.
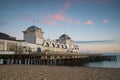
(35, 41)
(60, 51)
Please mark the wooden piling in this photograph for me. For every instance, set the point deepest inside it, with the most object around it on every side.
(53, 59)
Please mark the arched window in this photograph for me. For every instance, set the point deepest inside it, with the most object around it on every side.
(47, 44)
(66, 47)
(58, 46)
(62, 46)
(53, 44)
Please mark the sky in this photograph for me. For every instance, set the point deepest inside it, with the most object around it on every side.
(95, 23)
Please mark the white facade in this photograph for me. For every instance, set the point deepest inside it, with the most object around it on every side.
(33, 35)
(29, 37)
(65, 39)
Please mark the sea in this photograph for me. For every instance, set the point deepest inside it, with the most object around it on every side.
(106, 64)
(101, 64)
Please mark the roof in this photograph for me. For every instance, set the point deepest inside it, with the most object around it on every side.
(64, 36)
(33, 28)
(6, 36)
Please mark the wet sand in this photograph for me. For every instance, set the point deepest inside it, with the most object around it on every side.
(42, 72)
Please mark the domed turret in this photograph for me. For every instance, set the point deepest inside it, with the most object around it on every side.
(64, 36)
(33, 34)
(32, 28)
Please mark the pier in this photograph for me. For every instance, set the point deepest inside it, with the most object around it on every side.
(66, 59)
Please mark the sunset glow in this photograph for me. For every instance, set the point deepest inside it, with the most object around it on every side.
(82, 20)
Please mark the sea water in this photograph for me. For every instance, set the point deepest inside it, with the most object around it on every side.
(106, 64)
(1, 61)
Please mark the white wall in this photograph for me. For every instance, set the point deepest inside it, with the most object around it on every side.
(29, 37)
(39, 41)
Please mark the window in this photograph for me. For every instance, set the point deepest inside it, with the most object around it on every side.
(47, 44)
(58, 46)
(53, 45)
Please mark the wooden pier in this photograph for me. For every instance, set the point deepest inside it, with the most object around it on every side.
(53, 59)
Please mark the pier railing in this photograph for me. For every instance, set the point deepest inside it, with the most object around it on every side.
(6, 52)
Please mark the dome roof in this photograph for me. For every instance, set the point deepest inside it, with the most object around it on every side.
(33, 28)
(64, 36)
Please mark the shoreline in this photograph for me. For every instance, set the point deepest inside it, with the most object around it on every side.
(43, 72)
(63, 66)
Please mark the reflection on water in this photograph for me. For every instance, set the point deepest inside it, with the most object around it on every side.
(1, 61)
(106, 64)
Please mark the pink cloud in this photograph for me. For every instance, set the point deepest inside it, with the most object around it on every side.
(67, 5)
(89, 22)
(77, 22)
(48, 22)
(61, 17)
(105, 21)
(58, 17)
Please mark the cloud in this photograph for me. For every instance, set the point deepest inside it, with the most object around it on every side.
(62, 17)
(89, 22)
(105, 21)
(97, 41)
(93, 1)
(3, 23)
(77, 22)
(67, 5)
(48, 22)
(58, 17)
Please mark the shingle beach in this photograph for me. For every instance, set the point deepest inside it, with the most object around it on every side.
(42, 72)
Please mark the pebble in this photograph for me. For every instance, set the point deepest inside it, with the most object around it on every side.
(42, 72)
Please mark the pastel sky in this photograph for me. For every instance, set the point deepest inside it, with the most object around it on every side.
(83, 20)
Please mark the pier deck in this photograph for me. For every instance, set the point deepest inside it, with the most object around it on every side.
(53, 59)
